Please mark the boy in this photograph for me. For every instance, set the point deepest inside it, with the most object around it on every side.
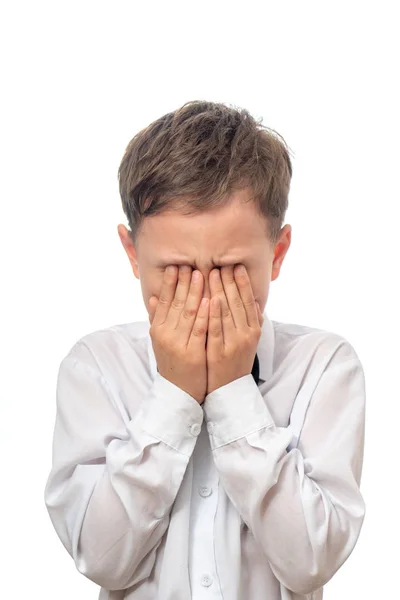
(174, 474)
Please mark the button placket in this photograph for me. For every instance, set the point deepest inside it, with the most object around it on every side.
(203, 506)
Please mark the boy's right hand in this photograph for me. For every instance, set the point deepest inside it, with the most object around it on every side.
(178, 331)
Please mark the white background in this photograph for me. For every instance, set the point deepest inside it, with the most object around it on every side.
(78, 80)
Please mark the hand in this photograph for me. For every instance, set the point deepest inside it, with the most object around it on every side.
(234, 327)
(178, 331)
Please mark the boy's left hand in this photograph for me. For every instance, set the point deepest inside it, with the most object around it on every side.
(234, 327)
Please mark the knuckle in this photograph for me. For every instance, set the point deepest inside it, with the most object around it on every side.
(161, 341)
(226, 313)
(199, 330)
(239, 302)
(189, 312)
(177, 304)
(249, 303)
(250, 342)
(247, 340)
(165, 341)
(163, 299)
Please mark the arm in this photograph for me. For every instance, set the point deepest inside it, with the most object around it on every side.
(113, 480)
(304, 507)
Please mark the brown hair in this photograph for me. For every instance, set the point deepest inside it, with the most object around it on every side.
(191, 159)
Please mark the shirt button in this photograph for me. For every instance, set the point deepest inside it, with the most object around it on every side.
(206, 581)
(210, 427)
(159, 514)
(205, 491)
(195, 429)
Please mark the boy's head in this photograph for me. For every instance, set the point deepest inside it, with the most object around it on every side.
(207, 186)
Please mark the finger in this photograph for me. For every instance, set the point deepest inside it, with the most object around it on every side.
(234, 299)
(190, 310)
(215, 340)
(200, 327)
(180, 296)
(167, 294)
(217, 289)
(153, 301)
(246, 293)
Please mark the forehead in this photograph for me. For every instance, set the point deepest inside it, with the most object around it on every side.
(224, 235)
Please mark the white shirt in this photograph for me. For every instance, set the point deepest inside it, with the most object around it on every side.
(159, 498)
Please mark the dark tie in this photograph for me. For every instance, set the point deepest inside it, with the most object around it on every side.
(255, 370)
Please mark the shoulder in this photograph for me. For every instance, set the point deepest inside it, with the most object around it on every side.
(111, 346)
(313, 345)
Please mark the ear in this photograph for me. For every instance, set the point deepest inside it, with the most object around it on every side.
(126, 241)
(280, 250)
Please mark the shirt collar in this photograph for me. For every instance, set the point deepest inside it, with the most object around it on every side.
(265, 350)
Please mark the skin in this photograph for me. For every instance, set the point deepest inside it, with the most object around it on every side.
(226, 236)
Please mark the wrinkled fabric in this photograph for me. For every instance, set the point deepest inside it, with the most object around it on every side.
(157, 497)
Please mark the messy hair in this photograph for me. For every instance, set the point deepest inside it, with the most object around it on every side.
(192, 159)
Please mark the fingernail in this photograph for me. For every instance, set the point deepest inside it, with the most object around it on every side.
(216, 275)
(240, 270)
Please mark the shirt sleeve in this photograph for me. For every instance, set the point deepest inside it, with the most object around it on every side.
(303, 506)
(113, 482)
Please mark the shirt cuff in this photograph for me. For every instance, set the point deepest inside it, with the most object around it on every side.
(172, 416)
(235, 410)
